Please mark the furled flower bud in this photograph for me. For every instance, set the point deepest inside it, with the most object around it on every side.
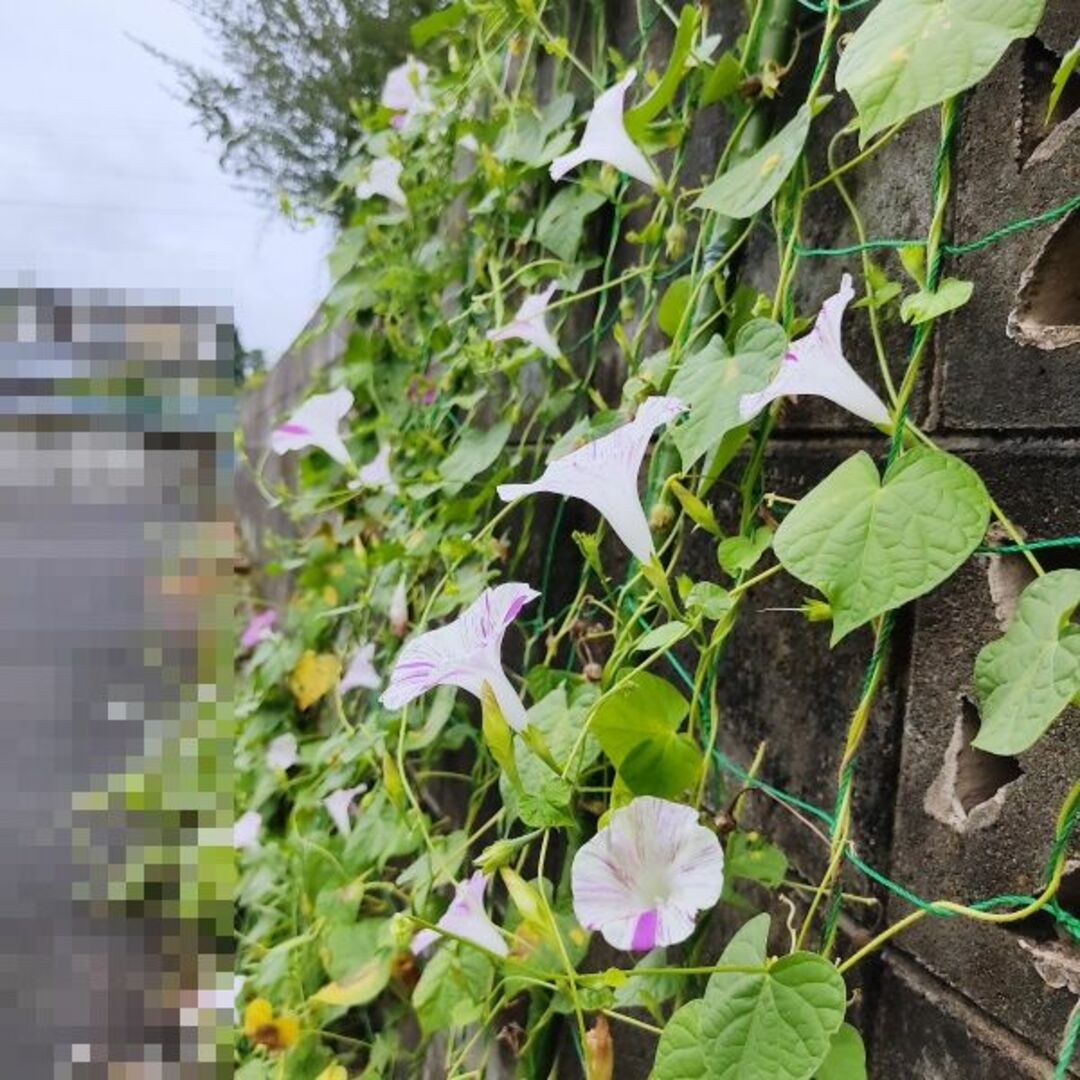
(675, 240)
(592, 671)
(495, 856)
(816, 611)
(599, 1051)
(399, 610)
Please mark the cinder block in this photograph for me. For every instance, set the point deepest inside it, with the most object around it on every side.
(1007, 168)
(989, 833)
(925, 1032)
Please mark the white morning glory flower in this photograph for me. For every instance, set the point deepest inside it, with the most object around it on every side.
(529, 324)
(281, 754)
(398, 612)
(246, 830)
(382, 179)
(604, 473)
(815, 364)
(339, 802)
(605, 139)
(643, 879)
(406, 91)
(466, 918)
(361, 672)
(376, 473)
(315, 423)
(464, 653)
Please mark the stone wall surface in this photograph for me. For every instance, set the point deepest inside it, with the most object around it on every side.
(949, 999)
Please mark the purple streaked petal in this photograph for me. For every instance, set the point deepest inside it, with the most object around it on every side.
(645, 931)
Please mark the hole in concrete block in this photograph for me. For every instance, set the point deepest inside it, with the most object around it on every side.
(969, 792)
(979, 775)
(1047, 310)
(1039, 140)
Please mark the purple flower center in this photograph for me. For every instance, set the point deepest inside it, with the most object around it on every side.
(645, 931)
(292, 428)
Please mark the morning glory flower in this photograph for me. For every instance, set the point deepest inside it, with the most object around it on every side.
(376, 473)
(315, 423)
(466, 918)
(398, 612)
(406, 91)
(337, 805)
(604, 474)
(246, 830)
(464, 653)
(382, 179)
(605, 139)
(642, 880)
(361, 672)
(259, 628)
(529, 324)
(815, 364)
(281, 754)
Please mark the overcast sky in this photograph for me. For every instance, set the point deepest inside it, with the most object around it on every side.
(105, 183)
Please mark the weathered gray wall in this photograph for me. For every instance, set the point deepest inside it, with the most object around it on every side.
(949, 1000)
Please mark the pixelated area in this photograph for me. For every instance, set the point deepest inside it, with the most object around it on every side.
(116, 546)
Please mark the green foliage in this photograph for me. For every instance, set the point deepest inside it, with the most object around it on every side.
(712, 380)
(926, 305)
(911, 54)
(1026, 678)
(846, 1059)
(751, 184)
(872, 544)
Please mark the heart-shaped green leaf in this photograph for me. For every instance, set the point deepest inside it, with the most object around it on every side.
(777, 1025)
(1026, 678)
(847, 1057)
(712, 381)
(911, 54)
(681, 1053)
(744, 189)
(871, 545)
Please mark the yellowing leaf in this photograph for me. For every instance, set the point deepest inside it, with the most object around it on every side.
(314, 675)
(359, 988)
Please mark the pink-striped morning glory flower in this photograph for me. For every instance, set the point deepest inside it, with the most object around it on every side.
(338, 803)
(642, 880)
(466, 918)
(464, 653)
(606, 139)
(406, 92)
(282, 752)
(259, 628)
(361, 673)
(315, 423)
(604, 473)
(383, 178)
(529, 324)
(815, 364)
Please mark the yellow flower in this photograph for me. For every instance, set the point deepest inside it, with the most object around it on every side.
(273, 1032)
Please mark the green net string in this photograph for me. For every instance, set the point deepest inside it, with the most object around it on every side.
(993, 237)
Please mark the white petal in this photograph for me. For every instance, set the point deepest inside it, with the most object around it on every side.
(604, 474)
(281, 754)
(337, 806)
(815, 364)
(464, 653)
(246, 830)
(405, 88)
(642, 880)
(529, 324)
(382, 179)
(315, 423)
(376, 473)
(361, 672)
(606, 139)
(398, 611)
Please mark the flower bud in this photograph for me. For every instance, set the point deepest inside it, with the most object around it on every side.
(495, 856)
(399, 610)
(661, 516)
(675, 240)
(599, 1051)
(593, 672)
(402, 930)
